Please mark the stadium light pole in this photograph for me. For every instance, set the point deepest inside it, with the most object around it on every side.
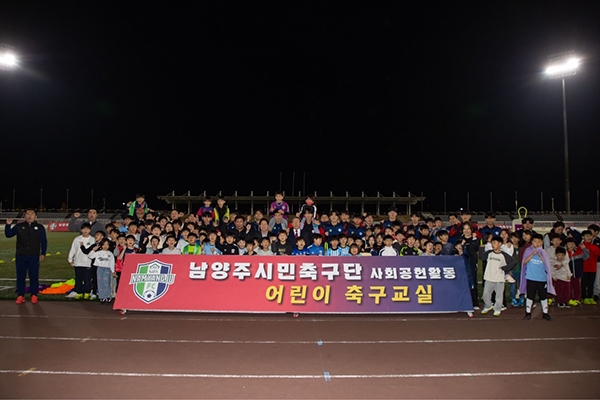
(561, 68)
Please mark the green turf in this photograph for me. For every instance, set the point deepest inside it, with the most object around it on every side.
(54, 266)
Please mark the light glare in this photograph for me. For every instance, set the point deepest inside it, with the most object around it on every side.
(567, 67)
(8, 60)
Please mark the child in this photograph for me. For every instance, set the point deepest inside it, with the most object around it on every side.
(282, 246)
(279, 205)
(515, 239)
(316, 249)
(577, 254)
(171, 246)
(241, 244)
(210, 246)
(561, 277)
(410, 249)
(183, 241)
(536, 277)
(388, 249)
(138, 203)
(206, 208)
(250, 248)
(355, 250)
(334, 249)
(229, 247)
(498, 263)
(436, 228)
(589, 268)
(105, 262)
(265, 247)
(221, 211)
(81, 262)
(428, 249)
(309, 204)
(98, 238)
(447, 247)
(124, 228)
(437, 249)
(153, 248)
(300, 249)
(192, 247)
(344, 249)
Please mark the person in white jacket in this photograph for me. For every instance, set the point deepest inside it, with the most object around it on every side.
(81, 263)
(105, 261)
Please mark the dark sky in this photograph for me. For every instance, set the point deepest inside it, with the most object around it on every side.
(361, 96)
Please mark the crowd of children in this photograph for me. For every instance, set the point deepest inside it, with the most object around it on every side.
(562, 263)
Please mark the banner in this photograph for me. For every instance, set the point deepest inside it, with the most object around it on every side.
(302, 284)
(58, 226)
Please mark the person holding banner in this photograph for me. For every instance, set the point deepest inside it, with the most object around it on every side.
(31, 249)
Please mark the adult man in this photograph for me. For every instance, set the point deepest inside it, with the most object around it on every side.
(92, 219)
(31, 248)
(490, 225)
(455, 228)
(392, 217)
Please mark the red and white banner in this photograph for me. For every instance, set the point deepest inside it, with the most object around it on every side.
(309, 284)
(58, 226)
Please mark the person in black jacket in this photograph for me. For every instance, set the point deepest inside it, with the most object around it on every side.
(31, 249)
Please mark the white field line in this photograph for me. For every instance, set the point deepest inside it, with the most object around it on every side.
(197, 341)
(279, 318)
(292, 376)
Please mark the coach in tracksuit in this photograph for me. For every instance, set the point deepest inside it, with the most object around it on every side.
(31, 248)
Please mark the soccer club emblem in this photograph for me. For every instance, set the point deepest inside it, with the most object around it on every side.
(152, 280)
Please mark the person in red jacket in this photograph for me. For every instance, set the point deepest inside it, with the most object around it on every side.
(589, 269)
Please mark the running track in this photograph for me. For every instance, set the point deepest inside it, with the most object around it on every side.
(85, 350)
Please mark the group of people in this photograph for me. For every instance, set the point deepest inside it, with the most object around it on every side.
(563, 263)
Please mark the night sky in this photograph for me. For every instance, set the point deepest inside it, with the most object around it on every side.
(361, 96)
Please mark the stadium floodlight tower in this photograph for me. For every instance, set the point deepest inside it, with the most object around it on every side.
(8, 60)
(560, 67)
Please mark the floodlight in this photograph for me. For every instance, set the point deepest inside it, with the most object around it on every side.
(7, 60)
(565, 67)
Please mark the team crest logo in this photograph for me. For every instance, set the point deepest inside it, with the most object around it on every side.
(152, 280)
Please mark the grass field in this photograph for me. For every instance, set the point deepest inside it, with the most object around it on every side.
(54, 266)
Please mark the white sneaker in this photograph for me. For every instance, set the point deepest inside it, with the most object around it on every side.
(497, 313)
(509, 279)
(476, 308)
(503, 308)
(93, 296)
(487, 310)
(72, 295)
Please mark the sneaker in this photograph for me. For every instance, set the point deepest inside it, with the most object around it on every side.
(72, 295)
(527, 316)
(586, 301)
(547, 317)
(93, 296)
(487, 310)
(476, 308)
(560, 305)
(522, 302)
(86, 296)
(503, 307)
(573, 303)
(20, 300)
(550, 301)
(578, 302)
(497, 313)
(515, 303)
(509, 279)
(592, 302)
(34, 299)
(79, 297)
(567, 305)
